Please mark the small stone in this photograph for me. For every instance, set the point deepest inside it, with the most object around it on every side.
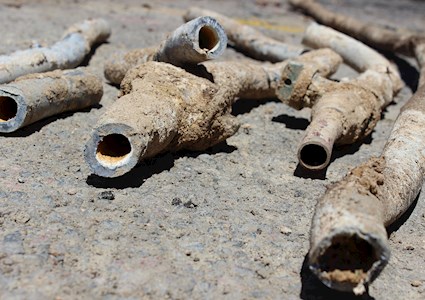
(416, 283)
(106, 195)
(21, 180)
(190, 204)
(71, 192)
(285, 230)
(176, 201)
(409, 247)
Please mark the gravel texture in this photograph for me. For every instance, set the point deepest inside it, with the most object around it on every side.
(231, 222)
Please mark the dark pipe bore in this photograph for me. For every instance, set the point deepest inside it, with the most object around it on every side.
(113, 149)
(314, 156)
(348, 256)
(208, 38)
(8, 108)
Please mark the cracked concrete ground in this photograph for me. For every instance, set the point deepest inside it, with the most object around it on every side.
(231, 222)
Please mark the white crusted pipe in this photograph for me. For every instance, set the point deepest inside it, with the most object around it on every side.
(68, 53)
(248, 40)
(37, 96)
(355, 53)
(193, 42)
(349, 244)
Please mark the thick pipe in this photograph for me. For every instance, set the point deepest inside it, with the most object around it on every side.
(248, 40)
(193, 42)
(342, 112)
(68, 53)
(37, 96)
(165, 108)
(349, 244)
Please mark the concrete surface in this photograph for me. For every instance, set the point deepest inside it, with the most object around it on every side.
(228, 223)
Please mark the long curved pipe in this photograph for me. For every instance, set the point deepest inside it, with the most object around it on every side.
(67, 53)
(399, 41)
(349, 244)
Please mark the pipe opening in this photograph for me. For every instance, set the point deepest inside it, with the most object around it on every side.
(314, 156)
(348, 259)
(208, 38)
(8, 108)
(113, 149)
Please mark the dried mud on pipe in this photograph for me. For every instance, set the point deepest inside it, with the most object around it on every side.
(371, 197)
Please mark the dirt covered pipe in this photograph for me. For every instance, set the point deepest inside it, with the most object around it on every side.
(37, 96)
(342, 112)
(68, 53)
(193, 42)
(349, 244)
(248, 40)
(395, 40)
(165, 108)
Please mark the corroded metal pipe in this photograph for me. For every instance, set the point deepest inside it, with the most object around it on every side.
(396, 40)
(165, 108)
(68, 53)
(248, 40)
(342, 112)
(349, 244)
(193, 42)
(37, 96)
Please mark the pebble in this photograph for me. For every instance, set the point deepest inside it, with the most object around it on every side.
(285, 230)
(416, 283)
(176, 201)
(106, 195)
(71, 192)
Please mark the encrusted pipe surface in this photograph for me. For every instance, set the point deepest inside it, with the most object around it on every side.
(67, 53)
(36, 96)
(396, 40)
(371, 34)
(349, 245)
(342, 112)
(196, 41)
(248, 40)
(165, 108)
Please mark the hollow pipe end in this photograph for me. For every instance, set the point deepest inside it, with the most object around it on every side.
(211, 39)
(349, 260)
(314, 155)
(112, 150)
(13, 109)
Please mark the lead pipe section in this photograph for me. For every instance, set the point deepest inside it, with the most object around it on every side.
(248, 40)
(191, 43)
(165, 108)
(37, 96)
(348, 242)
(400, 40)
(67, 53)
(342, 112)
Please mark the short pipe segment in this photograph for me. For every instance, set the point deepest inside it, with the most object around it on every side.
(196, 41)
(37, 96)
